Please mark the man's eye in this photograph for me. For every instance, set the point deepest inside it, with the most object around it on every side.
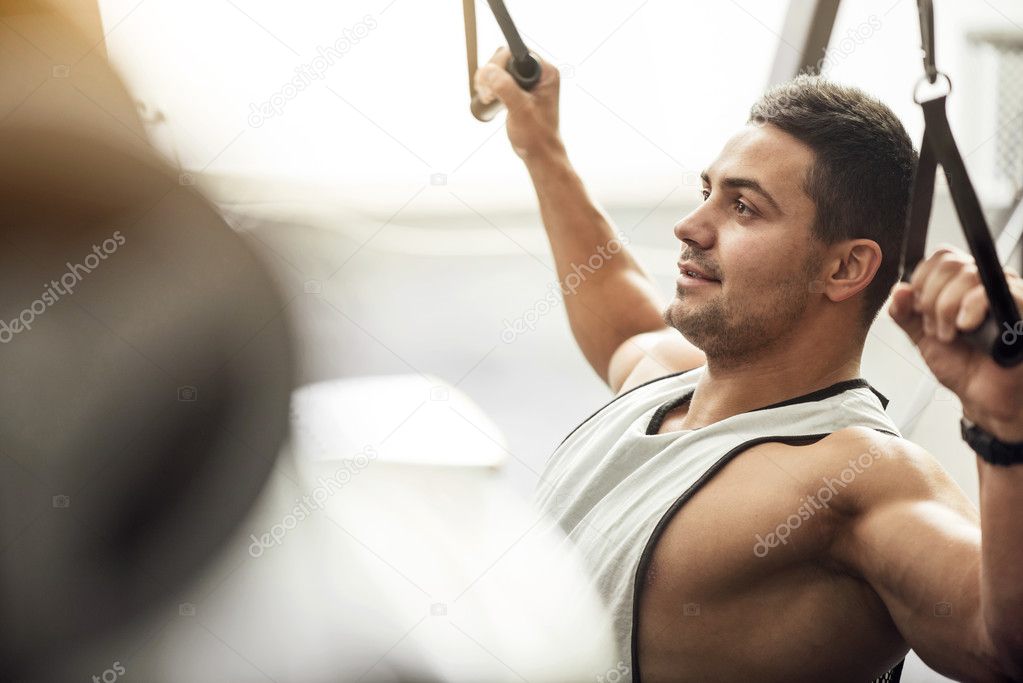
(742, 208)
(706, 194)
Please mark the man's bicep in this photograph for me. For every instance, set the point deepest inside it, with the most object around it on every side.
(919, 549)
(650, 355)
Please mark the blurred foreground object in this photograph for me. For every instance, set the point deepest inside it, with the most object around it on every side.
(364, 561)
(146, 361)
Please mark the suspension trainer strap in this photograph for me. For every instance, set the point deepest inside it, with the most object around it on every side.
(471, 54)
(939, 149)
(996, 335)
(915, 238)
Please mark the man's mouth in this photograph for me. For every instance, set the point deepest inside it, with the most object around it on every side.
(690, 271)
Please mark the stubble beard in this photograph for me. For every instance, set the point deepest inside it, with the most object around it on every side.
(733, 331)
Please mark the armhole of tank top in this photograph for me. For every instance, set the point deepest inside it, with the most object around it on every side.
(644, 559)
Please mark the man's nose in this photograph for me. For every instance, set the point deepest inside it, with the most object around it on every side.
(696, 229)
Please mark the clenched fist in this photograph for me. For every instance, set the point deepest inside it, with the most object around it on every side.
(532, 116)
(944, 299)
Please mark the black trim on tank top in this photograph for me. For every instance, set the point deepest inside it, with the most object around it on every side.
(644, 560)
(638, 386)
(658, 417)
(827, 392)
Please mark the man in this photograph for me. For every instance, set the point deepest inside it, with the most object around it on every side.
(747, 509)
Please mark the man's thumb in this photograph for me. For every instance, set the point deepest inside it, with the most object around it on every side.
(901, 310)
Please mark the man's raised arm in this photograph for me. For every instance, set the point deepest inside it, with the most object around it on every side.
(609, 298)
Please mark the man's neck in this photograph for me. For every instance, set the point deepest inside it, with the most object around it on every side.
(726, 389)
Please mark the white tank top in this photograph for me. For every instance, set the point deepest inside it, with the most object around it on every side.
(614, 483)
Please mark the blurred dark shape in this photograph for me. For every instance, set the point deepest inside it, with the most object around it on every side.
(144, 354)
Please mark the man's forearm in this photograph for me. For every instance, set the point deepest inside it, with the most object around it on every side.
(608, 296)
(1001, 508)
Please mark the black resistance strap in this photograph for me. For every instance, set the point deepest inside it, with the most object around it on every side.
(996, 334)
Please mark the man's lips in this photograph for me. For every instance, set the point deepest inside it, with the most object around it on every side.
(689, 269)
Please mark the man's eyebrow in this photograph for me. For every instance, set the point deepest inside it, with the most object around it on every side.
(748, 184)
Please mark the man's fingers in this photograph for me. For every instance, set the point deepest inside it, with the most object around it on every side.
(945, 296)
(497, 82)
(500, 57)
(483, 90)
(973, 309)
(930, 278)
(949, 301)
(976, 303)
(493, 80)
(925, 266)
(943, 271)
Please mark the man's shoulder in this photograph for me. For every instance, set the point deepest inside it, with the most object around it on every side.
(862, 467)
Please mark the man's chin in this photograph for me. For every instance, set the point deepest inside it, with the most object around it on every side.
(697, 323)
(676, 314)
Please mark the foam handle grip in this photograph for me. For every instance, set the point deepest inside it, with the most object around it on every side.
(526, 73)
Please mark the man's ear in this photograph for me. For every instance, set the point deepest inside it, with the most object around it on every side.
(852, 265)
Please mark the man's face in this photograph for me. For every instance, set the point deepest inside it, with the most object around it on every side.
(752, 235)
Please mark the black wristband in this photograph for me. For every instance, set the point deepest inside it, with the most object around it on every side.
(988, 447)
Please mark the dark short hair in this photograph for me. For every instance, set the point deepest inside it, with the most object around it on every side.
(862, 174)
